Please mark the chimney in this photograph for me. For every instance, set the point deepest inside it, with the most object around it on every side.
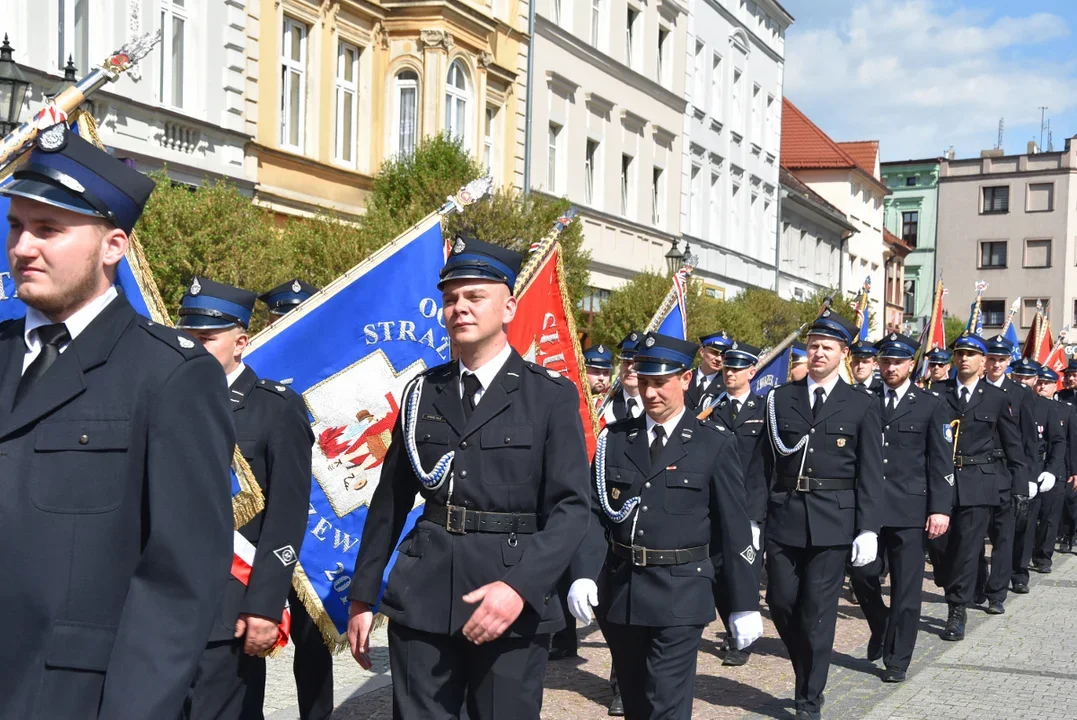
(992, 153)
(1033, 148)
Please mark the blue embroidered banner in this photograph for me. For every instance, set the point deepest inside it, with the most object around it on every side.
(773, 374)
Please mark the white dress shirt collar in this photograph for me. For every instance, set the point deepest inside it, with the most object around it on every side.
(828, 387)
(899, 391)
(78, 321)
(669, 426)
(971, 387)
(703, 380)
(1001, 379)
(234, 375)
(487, 372)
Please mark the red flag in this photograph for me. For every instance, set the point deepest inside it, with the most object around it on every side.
(544, 332)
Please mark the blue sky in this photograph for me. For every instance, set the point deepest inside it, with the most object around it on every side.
(921, 76)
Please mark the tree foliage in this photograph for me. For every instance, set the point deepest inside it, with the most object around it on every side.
(953, 326)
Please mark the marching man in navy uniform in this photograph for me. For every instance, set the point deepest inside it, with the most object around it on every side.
(989, 455)
(115, 446)
(626, 401)
(918, 495)
(798, 361)
(864, 365)
(598, 366)
(744, 413)
(939, 365)
(273, 434)
(1067, 525)
(312, 663)
(668, 491)
(286, 297)
(1052, 501)
(825, 465)
(495, 447)
(707, 383)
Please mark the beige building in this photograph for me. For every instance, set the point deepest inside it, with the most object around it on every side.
(334, 88)
(1012, 222)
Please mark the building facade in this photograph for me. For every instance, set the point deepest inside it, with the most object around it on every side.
(734, 68)
(165, 111)
(912, 211)
(1010, 221)
(847, 176)
(814, 234)
(335, 88)
(606, 128)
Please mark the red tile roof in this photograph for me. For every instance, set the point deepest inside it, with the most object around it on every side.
(864, 152)
(806, 147)
(902, 247)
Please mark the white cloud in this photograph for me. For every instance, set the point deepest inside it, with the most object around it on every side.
(920, 78)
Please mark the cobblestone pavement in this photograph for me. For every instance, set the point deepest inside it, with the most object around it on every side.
(1018, 665)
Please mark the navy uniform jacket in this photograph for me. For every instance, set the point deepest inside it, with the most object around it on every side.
(875, 386)
(1068, 412)
(1021, 398)
(522, 451)
(844, 442)
(620, 405)
(919, 452)
(749, 429)
(116, 520)
(693, 496)
(273, 433)
(988, 426)
(695, 395)
(1050, 438)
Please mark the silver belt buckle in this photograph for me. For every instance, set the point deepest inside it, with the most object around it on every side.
(454, 519)
(802, 484)
(639, 556)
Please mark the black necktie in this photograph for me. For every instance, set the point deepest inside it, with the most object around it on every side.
(471, 387)
(820, 398)
(736, 408)
(631, 406)
(656, 444)
(964, 395)
(891, 400)
(52, 337)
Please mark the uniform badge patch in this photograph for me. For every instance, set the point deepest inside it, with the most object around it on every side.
(841, 442)
(748, 554)
(296, 287)
(949, 479)
(649, 342)
(184, 342)
(196, 287)
(459, 246)
(948, 432)
(553, 373)
(615, 493)
(53, 138)
(286, 555)
(280, 388)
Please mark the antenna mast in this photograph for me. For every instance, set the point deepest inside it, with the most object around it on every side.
(1043, 116)
(1001, 130)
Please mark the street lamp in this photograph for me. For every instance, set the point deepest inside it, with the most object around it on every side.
(70, 79)
(13, 87)
(690, 258)
(674, 258)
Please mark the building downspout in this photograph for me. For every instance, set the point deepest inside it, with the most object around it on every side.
(778, 228)
(528, 115)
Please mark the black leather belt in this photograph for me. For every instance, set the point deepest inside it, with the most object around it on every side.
(643, 557)
(985, 459)
(811, 484)
(460, 520)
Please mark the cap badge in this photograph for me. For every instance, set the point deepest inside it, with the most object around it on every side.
(601, 348)
(893, 336)
(826, 313)
(296, 287)
(634, 337)
(196, 287)
(649, 342)
(53, 139)
(459, 246)
(735, 345)
(724, 336)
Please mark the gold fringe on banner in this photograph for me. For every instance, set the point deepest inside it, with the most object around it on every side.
(249, 501)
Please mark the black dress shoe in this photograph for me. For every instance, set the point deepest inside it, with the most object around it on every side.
(560, 653)
(617, 708)
(1042, 569)
(894, 675)
(1020, 588)
(955, 624)
(807, 715)
(995, 607)
(735, 658)
(875, 649)
(1065, 545)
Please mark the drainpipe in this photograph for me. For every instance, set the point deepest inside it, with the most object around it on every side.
(778, 229)
(530, 94)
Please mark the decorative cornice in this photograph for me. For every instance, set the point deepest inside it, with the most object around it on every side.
(598, 103)
(436, 39)
(485, 59)
(561, 83)
(632, 121)
(381, 35)
(663, 136)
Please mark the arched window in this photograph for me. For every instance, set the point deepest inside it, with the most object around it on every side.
(405, 102)
(457, 102)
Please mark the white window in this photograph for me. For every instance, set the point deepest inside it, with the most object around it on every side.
(73, 35)
(716, 85)
(695, 202)
(596, 23)
(658, 198)
(347, 102)
(768, 119)
(457, 99)
(737, 119)
(405, 94)
(757, 114)
(173, 27)
(626, 185)
(293, 70)
(715, 221)
(735, 215)
(590, 171)
(630, 37)
(562, 10)
(488, 140)
(556, 9)
(663, 54)
(552, 158)
(699, 79)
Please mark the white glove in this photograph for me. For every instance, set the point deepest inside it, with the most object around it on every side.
(582, 596)
(756, 534)
(1046, 481)
(747, 628)
(1033, 488)
(865, 548)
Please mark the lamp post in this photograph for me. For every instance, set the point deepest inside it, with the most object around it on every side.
(13, 87)
(674, 258)
(70, 79)
(690, 258)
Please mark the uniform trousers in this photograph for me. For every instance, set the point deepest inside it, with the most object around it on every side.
(656, 667)
(721, 589)
(435, 675)
(898, 625)
(1051, 504)
(1024, 540)
(228, 684)
(565, 639)
(312, 665)
(936, 555)
(968, 524)
(995, 582)
(803, 587)
(1068, 524)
